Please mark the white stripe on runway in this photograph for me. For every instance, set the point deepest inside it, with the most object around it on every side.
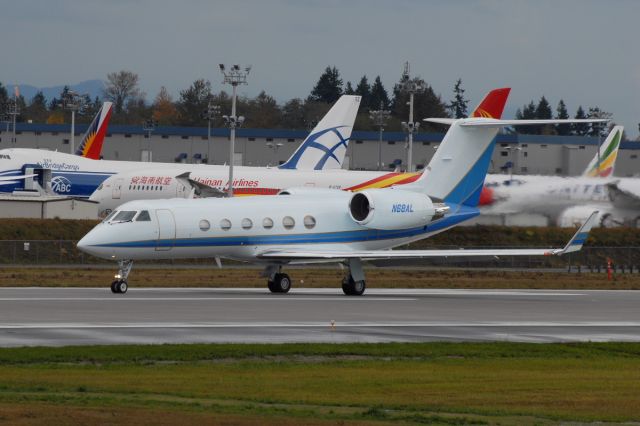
(327, 324)
(266, 298)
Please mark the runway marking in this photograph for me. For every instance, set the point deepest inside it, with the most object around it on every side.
(266, 298)
(326, 324)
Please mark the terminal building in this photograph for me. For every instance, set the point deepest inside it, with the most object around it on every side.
(520, 154)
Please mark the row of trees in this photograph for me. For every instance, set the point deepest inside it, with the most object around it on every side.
(130, 105)
(542, 110)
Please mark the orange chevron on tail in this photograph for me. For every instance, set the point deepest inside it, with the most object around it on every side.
(493, 104)
(91, 145)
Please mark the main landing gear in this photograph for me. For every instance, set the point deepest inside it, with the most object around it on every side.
(277, 281)
(119, 285)
(354, 284)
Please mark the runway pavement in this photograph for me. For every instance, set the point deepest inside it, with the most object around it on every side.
(72, 316)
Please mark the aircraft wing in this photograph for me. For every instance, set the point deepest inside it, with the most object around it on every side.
(491, 122)
(622, 196)
(8, 180)
(200, 189)
(575, 244)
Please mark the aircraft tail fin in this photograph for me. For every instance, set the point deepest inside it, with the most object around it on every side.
(603, 164)
(493, 104)
(326, 145)
(93, 139)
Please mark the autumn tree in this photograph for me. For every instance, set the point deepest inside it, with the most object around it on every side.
(164, 110)
(121, 88)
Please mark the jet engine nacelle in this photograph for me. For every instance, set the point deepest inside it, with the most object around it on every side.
(389, 209)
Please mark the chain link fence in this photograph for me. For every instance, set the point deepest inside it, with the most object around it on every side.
(63, 252)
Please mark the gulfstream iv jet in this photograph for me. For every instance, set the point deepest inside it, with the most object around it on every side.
(310, 225)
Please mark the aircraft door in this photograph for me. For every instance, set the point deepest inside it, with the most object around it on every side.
(166, 230)
(117, 189)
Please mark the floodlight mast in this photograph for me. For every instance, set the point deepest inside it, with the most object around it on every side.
(13, 110)
(234, 76)
(210, 114)
(380, 118)
(74, 103)
(411, 87)
(149, 126)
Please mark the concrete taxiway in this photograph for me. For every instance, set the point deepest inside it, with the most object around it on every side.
(78, 316)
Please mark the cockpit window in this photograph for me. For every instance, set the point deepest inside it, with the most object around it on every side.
(143, 217)
(108, 218)
(124, 216)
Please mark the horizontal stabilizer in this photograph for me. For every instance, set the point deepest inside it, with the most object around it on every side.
(489, 122)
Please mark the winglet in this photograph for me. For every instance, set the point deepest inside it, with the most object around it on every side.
(578, 239)
(493, 104)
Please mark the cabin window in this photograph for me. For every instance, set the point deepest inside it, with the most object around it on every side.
(204, 225)
(124, 216)
(246, 223)
(288, 222)
(225, 224)
(143, 216)
(267, 223)
(309, 222)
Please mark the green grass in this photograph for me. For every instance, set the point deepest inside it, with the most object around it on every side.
(441, 383)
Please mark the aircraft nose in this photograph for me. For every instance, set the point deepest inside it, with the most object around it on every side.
(90, 244)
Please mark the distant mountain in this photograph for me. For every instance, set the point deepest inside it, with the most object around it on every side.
(92, 87)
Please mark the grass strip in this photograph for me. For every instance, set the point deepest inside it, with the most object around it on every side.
(441, 383)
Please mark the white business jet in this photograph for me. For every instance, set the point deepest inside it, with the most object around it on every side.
(309, 225)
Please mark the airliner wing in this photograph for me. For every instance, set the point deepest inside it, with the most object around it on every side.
(575, 244)
(200, 189)
(623, 196)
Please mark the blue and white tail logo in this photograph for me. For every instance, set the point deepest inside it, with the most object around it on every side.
(326, 145)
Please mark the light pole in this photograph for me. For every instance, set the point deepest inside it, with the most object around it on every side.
(517, 150)
(275, 147)
(379, 118)
(149, 126)
(233, 76)
(209, 114)
(411, 87)
(73, 102)
(13, 110)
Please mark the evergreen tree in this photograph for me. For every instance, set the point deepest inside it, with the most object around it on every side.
(458, 105)
(3, 98)
(348, 89)
(425, 103)
(598, 129)
(580, 129)
(263, 112)
(378, 95)
(37, 110)
(192, 102)
(543, 112)
(328, 88)
(363, 89)
(528, 112)
(293, 114)
(562, 114)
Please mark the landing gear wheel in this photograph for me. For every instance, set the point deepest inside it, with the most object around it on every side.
(281, 283)
(353, 288)
(122, 287)
(114, 288)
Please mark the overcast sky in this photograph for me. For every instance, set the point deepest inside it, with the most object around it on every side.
(583, 51)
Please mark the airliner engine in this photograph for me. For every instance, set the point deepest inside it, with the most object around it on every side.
(390, 209)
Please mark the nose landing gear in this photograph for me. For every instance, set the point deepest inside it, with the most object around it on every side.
(120, 285)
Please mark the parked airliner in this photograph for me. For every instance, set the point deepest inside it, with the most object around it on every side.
(182, 181)
(324, 148)
(569, 200)
(309, 225)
